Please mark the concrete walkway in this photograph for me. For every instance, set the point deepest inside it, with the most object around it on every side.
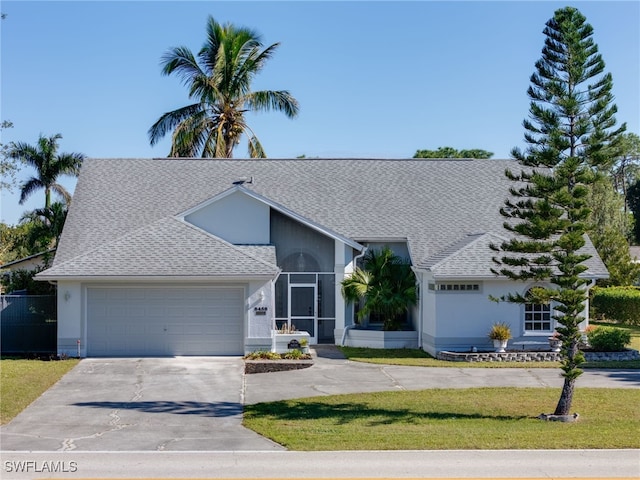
(332, 374)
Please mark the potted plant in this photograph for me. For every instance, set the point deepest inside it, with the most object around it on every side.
(554, 342)
(500, 333)
(304, 345)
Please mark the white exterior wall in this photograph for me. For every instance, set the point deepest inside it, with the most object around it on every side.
(460, 320)
(464, 318)
(258, 328)
(344, 265)
(221, 218)
(71, 319)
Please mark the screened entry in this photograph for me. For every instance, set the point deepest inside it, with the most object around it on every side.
(307, 301)
(305, 291)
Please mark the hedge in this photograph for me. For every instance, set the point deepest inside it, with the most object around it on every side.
(621, 304)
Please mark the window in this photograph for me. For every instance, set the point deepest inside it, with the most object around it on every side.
(537, 317)
(455, 287)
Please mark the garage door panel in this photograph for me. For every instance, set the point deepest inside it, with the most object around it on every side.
(165, 321)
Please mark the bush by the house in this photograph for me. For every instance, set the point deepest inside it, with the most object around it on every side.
(23, 280)
(621, 304)
(608, 339)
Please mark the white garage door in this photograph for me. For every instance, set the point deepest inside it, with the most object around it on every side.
(137, 321)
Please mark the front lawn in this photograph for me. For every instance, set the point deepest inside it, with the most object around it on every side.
(22, 381)
(480, 418)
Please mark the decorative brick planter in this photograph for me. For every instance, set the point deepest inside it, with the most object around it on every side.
(628, 354)
(534, 356)
(499, 357)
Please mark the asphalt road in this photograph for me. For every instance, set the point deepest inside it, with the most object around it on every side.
(542, 464)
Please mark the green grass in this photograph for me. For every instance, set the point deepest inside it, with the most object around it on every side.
(482, 418)
(22, 381)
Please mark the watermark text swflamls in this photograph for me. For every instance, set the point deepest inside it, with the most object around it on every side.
(33, 466)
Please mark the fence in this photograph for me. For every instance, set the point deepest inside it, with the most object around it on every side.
(28, 324)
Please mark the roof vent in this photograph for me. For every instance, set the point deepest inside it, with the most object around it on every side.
(242, 181)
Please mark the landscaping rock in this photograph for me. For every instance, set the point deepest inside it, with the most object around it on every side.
(559, 418)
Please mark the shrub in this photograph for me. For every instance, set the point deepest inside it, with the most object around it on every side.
(608, 339)
(621, 304)
(263, 355)
(500, 331)
(294, 354)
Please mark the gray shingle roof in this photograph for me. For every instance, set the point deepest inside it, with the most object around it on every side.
(167, 247)
(435, 204)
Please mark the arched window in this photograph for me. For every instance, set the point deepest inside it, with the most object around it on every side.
(537, 317)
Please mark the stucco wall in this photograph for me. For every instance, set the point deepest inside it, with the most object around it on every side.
(460, 320)
(237, 218)
(70, 325)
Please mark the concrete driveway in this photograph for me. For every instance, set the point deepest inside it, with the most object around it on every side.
(129, 404)
(195, 403)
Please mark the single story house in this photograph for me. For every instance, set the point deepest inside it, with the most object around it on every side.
(206, 256)
(30, 263)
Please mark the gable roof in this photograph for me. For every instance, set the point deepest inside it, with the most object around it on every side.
(435, 204)
(167, 247)
(471, 258)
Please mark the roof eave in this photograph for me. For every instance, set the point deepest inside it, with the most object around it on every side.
(155, 278)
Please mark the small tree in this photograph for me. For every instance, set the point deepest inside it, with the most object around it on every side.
(386, 285)
(570, 131)
(449, 152)
(8, 168)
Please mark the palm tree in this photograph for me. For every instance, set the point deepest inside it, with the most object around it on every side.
(386, 285)
(219, 80)
(49, 166)
(45, 225)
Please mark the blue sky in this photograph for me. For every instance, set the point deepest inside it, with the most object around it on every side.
(374, 79)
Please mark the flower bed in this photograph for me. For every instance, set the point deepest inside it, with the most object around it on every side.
(266, 366)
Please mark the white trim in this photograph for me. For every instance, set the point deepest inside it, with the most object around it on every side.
(158, 278)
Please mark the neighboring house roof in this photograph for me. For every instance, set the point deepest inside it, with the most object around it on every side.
(436, 204)
(635, 253)
(28, 263)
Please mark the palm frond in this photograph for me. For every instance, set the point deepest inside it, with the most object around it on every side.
(170, 120)
(279, 100)
(29, 187)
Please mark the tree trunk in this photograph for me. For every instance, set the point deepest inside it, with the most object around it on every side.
(566, 398)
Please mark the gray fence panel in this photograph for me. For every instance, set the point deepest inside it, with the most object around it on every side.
(28, 324)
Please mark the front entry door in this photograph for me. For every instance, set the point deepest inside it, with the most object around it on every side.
(302, 308)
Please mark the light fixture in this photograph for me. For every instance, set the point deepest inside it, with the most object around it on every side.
(67, 296)
(301, 263)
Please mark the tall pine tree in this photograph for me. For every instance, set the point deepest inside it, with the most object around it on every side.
(571, 131)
